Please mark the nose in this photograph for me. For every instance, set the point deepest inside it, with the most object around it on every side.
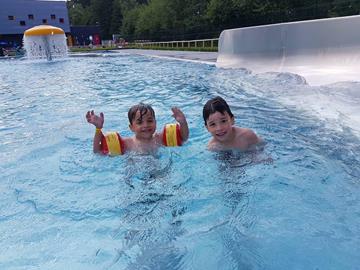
(145, 125)
(218, 128)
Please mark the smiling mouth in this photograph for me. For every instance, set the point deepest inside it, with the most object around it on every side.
(221, 134)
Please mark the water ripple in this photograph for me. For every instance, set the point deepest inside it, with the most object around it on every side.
(297, 192)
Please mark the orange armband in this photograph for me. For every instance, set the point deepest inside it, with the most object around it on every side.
(172, 135)
(112, 144)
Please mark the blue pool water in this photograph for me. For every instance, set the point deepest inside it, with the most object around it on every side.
(292, 205)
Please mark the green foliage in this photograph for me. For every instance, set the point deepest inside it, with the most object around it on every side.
(221, 12)
(116, 17)
(102, 10)
(129, 22)
(80, 15)
(341, 8)
(193, 19)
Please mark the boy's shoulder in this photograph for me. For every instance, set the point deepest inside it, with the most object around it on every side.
(159, 137)
(244, 132)
(129, 143)
(246, 135)
(243, 139)
(213, 145)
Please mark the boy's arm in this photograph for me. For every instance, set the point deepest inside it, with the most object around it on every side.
(97, 141)
(181, 119)
(98, 122)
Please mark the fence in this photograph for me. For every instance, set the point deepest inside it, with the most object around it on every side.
(180, 44)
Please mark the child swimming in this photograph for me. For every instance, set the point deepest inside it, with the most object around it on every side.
(142, 123)
(219, 121)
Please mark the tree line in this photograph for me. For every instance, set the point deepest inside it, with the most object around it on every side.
(163, 20)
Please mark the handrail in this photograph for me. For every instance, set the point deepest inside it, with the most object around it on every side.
(196, 43)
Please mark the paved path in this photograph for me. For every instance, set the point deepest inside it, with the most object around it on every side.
(203, 57)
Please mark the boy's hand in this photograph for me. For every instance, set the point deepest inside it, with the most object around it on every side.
(92, 118)
(178, 115)
(181, 119)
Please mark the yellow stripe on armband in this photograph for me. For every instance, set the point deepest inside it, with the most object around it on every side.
(171, 135)
(112, 144)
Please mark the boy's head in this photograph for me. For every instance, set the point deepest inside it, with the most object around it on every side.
(216, 104)
(143, 109)
(142, 121)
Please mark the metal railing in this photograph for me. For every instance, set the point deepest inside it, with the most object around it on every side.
(199, 43)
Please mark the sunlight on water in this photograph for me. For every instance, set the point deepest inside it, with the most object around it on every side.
(293, 203)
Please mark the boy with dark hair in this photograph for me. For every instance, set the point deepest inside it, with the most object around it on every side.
(219, 121)
(143, 123)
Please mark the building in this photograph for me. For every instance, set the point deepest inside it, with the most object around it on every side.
(84, 35)
(16, 16)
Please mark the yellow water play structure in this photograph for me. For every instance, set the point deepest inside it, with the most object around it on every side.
(45, 41)
(42, 30)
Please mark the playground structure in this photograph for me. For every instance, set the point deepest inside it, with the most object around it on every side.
(45, 42)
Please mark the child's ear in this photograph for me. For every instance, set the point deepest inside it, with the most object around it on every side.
(131, 128)
(232, 120)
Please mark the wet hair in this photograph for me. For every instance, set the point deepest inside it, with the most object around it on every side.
(216, 104)
(142, 108)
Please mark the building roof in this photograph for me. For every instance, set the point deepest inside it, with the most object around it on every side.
(16, 16)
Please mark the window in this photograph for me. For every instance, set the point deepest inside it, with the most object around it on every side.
(22, 23)
(61, 20)
(31, 16)
(44, 21)
(53, 17)
(11, 17)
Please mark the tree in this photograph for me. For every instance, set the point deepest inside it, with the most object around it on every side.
(344, 8)
(190, 19)
(102, 10)
(129, 23)
(221, 13)
(116, 17)
(80, 15)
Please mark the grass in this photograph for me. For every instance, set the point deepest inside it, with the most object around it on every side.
(94, 49)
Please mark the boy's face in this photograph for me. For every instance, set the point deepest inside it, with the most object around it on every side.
(144, 127)
(220, 126)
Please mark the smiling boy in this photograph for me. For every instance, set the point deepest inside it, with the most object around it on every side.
(219, 121)
(142, 123)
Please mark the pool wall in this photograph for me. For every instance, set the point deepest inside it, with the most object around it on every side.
(323, 51)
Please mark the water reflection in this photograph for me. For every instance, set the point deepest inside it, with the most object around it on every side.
(151, 222)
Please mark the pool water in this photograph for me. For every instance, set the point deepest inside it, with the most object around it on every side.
(291, 204)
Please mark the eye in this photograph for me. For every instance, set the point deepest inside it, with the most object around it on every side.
(211, 124)
(139, 122)
(223, 121)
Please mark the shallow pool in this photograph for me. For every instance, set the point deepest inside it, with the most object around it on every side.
(292, 205)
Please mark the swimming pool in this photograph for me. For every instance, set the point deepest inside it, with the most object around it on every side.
(62, 207)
